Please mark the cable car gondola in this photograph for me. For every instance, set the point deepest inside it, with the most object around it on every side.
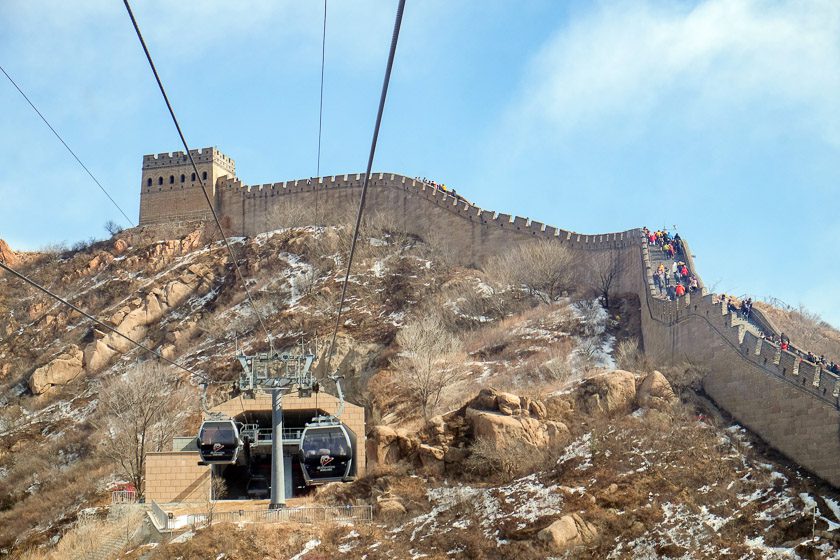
(326, 452)
(219, 442)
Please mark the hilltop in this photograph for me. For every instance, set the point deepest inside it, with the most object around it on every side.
(553, 418)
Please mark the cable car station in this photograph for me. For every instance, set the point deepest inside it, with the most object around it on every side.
(323, 439)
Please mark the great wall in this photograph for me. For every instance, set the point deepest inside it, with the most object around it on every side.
(792, 404)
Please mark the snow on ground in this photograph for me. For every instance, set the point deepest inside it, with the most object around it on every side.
(522, 502)
(307, 548)
(581, 449)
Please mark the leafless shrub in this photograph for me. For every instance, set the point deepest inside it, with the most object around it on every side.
(218, 489)
(557, 366)
(54, 249)
(426, 365)
(83, 245)
(629, 357)
(144, 410)
(487, 460)
(112, 227)
(602, 274)
(544, 268)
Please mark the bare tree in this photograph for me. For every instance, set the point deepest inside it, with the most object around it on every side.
(544, 268)
(144, 410)
(603, 274)
(426, 365)
(218, 488)
(113, 227)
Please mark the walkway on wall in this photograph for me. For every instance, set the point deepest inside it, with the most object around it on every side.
(659, 256)
(791, 366)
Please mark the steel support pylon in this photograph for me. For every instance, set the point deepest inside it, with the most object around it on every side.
(278, 475)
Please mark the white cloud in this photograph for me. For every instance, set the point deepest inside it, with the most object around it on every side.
(627, 61)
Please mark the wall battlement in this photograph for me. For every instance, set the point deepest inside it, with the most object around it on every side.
(267, 196)
(203, 155)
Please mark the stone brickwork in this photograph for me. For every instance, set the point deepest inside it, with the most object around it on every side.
(176, 477)
(790, 403)
(170, 189)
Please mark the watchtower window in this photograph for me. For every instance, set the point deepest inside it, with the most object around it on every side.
(204, 175)
(193, 177)
(183, 177)
(160, 180)
(149, 182)
(171, 179)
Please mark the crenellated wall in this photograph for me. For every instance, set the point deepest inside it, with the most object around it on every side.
(790, 403)
(414, 206)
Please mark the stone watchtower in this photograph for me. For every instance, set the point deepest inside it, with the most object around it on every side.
(170, 190)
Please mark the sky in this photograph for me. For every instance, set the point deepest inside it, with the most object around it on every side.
(718, 118)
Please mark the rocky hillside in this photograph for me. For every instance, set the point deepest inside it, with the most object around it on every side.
(535, 445)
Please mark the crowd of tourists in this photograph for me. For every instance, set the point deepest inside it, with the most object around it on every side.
(677, 280)
(783, 342)
(441, 187)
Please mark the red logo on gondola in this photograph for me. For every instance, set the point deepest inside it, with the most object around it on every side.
(217, 446)
(326, 460)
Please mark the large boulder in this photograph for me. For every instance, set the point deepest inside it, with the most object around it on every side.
(382, 446)
(567, 532)
(485, 400)
(610, 393)
(97, 355)
(59, 371)
(508, 403)
(431, 458)
(349, 356)
(558, 434)
(502, 431)
(176, 292)
(656, 392)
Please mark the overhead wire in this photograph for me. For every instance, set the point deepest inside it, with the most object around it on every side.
(107, 327)
(394, 38)
(197, 174)
(321, 107)
(69, 149)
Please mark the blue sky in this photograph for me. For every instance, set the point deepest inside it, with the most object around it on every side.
(720, 117)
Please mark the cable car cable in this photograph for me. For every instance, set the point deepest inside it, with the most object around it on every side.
(385, 82)
(72, 153)
(321, 107)
(197, 174)
(100, 323)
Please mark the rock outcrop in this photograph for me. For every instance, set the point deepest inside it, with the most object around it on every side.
(382, 446)
(656, 392)
(567, 532)
(609, 393)
(59, 371)
(134, 319)
(7, 256)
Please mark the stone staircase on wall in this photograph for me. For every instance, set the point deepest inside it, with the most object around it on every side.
(791, 403)
(823, 384)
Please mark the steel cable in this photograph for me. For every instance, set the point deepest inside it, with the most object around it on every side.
(385, 83)
(34, 284)
(321, 107)
(72, 153)
(197, 174)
